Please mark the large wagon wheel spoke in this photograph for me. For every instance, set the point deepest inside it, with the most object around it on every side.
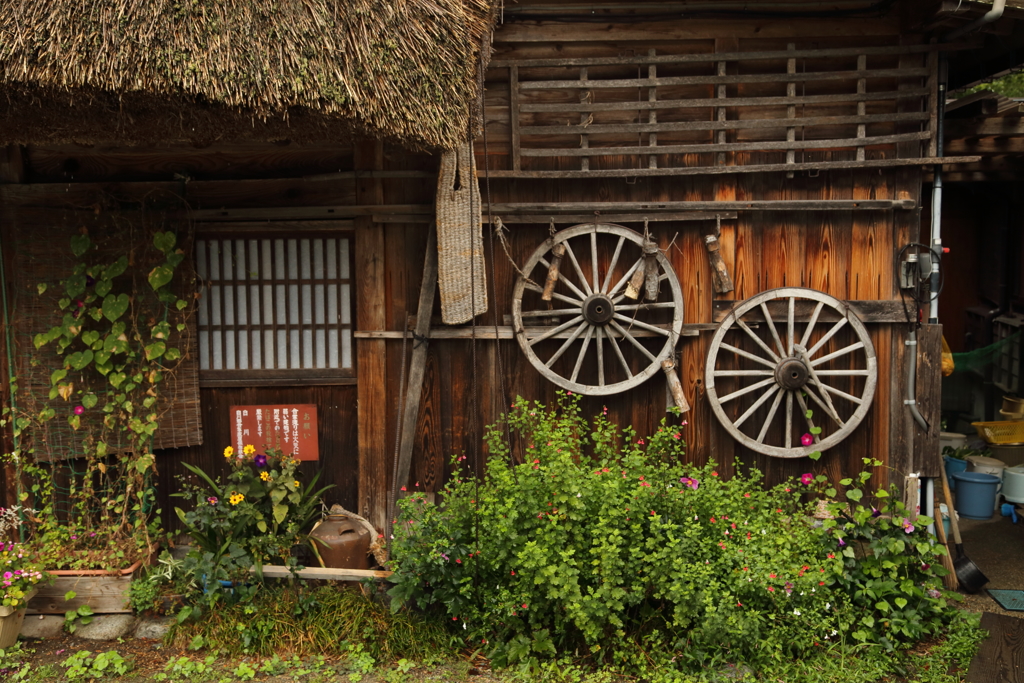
(758, 380)
(587, 268)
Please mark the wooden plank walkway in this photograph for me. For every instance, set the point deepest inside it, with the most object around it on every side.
(1001, 656)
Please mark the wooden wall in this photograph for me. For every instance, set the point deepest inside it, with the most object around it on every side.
(848, 254)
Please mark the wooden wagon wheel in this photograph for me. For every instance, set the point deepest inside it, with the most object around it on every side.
(792, 364)
(602, 290)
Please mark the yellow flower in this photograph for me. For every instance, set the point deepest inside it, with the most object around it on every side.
(296, 483)
(249, 449)
(228, 452)
(236, 498)
(264, 476)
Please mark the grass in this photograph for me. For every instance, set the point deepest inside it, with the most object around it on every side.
(320, 621)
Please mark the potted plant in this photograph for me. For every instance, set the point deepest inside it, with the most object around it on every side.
(20, 577)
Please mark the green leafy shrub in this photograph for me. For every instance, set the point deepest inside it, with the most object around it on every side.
(604, 543)
(891, 566)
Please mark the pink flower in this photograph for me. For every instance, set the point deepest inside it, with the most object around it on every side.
(807, 439)
(806, 478)
(79, 410)
(907, 526)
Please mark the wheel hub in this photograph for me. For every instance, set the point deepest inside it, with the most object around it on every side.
(792, 374)
(598, 309)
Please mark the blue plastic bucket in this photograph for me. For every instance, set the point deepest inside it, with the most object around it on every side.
(953, 465)
(976, 494)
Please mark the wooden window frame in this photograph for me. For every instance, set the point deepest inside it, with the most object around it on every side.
(281, 230)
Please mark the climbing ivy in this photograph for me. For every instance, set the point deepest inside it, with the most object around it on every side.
(114, 342)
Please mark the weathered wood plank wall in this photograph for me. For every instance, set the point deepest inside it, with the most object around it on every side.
(848, 254)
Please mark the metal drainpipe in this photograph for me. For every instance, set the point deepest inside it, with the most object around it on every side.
(987, 18)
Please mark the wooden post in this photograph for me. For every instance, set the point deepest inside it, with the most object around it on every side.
(372, 362)
(12, 170)
(418, 365)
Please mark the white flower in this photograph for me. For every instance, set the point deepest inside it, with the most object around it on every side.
(578, 495)
(828, 605)
(796, 612)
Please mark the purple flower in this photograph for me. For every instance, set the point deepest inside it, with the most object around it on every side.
(79, 410)
(260, 460)
(807, 439)
(806, 478)
(875, 512)
(907, 526)
(212, 500)
(692, 483)
(842, 543)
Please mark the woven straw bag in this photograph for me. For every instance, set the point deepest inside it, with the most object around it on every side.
(460, 244)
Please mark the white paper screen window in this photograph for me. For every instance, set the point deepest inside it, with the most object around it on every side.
(271, 304)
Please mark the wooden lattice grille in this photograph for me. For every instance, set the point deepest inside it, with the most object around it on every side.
(680, 114)
(275, 308)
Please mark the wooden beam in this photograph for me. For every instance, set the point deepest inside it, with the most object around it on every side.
(724, 170)
(274, 571)
(573, 219)
(371, 364)
(711, 206)
(418, 364)
(956, 128)
(689, 29)
(487, 332)
(12, 170)
(705, 103)
(728, 146)
(738, 79)
(749, 124)
(880, 311)
(734, 56)
(986, 146)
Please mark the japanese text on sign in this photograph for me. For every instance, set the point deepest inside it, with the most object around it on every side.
(290, 428)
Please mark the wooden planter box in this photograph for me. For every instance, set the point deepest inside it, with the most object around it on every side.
(104, 592)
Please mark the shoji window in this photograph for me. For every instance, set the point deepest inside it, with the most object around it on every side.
(275, 309)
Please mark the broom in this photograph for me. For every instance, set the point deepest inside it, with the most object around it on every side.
(949, 579)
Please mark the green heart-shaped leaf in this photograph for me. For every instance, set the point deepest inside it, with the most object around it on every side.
(114, 306)
(89, 400)
(80, 244)
(117, 379)
(164, 241)
(81, 359)
(75, 286)
(172, 354)
(103, 287)
(160, 276)
(155, 350)
(58, 375)
(90, 337)
(115, 268)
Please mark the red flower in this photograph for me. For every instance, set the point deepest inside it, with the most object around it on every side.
(771, 589)
(536, 461)
(771, 576)
(641, 442)
(746, 495)
(458, 561)
(513, 572)
(714, 474)
(831, 556)
(403, 488)
(524, 605)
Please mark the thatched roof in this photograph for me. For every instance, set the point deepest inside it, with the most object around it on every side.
(404, 70)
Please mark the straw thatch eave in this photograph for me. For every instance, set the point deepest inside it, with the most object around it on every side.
(403, 70)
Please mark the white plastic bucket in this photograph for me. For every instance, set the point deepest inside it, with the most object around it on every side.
(951, 439)
(985, 465)
(1013, 484)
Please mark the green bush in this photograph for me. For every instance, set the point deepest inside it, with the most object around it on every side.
(604, 543)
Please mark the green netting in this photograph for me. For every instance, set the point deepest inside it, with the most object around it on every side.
(980, 361)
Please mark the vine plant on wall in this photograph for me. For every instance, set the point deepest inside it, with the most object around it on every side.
(116, 342)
